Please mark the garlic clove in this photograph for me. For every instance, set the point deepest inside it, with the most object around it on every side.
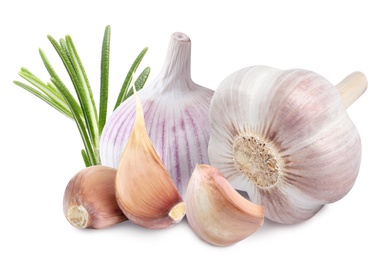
(284, 137)
(176, 115)
(216, 212)
(144, 190)
(89, 199)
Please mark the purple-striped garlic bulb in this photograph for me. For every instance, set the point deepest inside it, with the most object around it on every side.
(285, 138)
(176, 116)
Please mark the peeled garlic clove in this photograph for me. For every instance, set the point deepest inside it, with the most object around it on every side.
(284, 137)
(89, 199)
(216, 212)
(144, 190)
(176, 115)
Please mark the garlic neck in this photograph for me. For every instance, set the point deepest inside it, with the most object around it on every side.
(176, 71)
(352, 87)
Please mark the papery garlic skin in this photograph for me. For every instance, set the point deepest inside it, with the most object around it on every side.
(176, 115)
(216, 212)
(284, 137)
(89, 199)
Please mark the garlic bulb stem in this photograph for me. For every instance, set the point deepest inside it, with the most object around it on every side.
(177, 62)
(352, 87)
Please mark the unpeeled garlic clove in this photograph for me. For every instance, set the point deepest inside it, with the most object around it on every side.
(285, 138)
(89, 199)
(144, 190)
(216, 212)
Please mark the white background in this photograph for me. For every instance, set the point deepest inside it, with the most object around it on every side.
(40, 148)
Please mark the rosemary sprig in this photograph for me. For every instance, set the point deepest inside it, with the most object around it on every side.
(82, 109)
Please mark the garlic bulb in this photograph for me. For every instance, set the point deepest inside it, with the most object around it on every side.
(89, 199)
(216, 212)
(176, 115)
(284, 137)
(144, 190)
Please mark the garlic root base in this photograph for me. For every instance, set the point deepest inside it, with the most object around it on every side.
(78, 216)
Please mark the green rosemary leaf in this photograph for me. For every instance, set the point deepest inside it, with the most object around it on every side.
(62, 51)
(76, 108)
(45, 89)
(85, 158)
(62, 109)
(139, 82)
(89, 149)
(104, 77)
(26, 74)
(54, 75)
(84, 93)
(127, 81)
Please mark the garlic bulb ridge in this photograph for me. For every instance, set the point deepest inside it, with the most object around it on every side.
(284, 137)
(176, 116)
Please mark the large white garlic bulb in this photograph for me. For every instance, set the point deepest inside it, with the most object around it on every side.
(284, 137)
(176, 116)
